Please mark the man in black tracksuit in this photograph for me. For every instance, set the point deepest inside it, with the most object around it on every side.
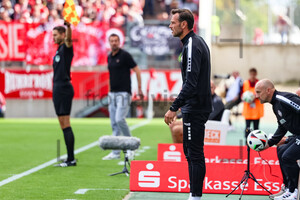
(195, 97)
(286, 107)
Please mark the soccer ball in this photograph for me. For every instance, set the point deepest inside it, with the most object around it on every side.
(257, 140)
(248, 97)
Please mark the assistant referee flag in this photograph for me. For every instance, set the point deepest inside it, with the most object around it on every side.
(69, 13)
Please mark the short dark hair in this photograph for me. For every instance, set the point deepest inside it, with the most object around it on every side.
(114, 35)
(252, 70)
(60, 29)
(185, 15)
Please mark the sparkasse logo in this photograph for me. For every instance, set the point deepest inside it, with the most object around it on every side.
(172, 155)
(149, 179)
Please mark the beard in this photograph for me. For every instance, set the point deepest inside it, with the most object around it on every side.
(263, 101)
(58, 41)
(177, 33)
(115, 48)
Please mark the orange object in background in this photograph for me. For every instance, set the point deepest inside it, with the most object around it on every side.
(255, 110)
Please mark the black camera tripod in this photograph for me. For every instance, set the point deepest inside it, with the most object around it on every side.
(125, 170)
(247, 175)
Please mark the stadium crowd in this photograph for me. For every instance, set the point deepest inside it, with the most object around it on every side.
(114, 12)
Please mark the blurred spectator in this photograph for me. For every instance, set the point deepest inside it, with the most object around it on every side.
(233, 95)
(189, 4)
(2, 105)
(60, 6)
(36, 16)
(252, 111)
(174, 4)
(258, 36)
(218, 106)
(54, 17)
(123, 5)
(283, 23)
(168, 6)
(149, 8)
(40, 12)
(89, 12)
(51, 4)
(20, 8)
(4, 15)
(114, 12)
(118, 19)
(135, 13)
(7, 5)
(25, 17)
(99, 8)
(109, 11)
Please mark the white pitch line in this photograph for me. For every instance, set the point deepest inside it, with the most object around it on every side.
(127, 197)
(83, 191)
(143, 123)
(51, 162)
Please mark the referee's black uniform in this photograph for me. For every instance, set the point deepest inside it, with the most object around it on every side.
(63, 92)
(195, 102)
(286, 107)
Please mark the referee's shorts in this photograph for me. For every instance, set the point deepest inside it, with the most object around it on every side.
(62, 97)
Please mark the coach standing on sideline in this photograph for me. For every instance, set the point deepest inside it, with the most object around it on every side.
(63, 91)
(286, 107)
(119, 64)
(195, 97)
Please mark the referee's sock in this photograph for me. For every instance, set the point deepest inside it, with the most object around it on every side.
(69, 140)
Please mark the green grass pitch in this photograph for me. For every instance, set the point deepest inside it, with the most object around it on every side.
(27, 143)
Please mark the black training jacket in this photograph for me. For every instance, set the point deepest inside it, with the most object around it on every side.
(286, 107)
(195, 95)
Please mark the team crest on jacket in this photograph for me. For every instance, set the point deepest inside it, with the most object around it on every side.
(57, 58)
(282, 121)
(279, 113)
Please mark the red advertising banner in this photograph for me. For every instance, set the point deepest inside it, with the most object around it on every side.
(90, 84)
(38, 84)
(19, 84)
(159, 84)
(27, 85)
(220, 154)
(221, 178)
(13, 43)
(34, 44)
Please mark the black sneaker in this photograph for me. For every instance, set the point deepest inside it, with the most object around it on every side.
(66, 164)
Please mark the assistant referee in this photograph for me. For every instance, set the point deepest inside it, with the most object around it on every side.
(63, 91)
